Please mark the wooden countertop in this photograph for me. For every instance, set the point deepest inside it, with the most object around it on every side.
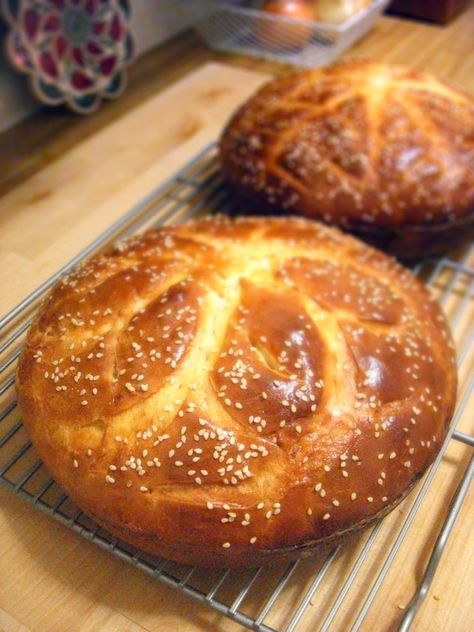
(64, 179)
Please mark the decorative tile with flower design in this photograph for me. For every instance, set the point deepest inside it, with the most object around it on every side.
(75, 51)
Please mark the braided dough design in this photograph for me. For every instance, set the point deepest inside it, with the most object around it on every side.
(373, 148)
(231, 392)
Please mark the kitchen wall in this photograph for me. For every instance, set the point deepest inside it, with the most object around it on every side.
(153, 21)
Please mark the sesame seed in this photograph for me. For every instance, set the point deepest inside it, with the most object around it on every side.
(326, 516)
(226, 545)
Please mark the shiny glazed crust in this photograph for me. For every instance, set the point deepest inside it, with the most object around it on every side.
(235, 392)
(380, 150)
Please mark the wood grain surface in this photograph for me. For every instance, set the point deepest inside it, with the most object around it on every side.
(63, 180)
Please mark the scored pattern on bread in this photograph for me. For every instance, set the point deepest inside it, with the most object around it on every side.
(358, 144)
(233, 391)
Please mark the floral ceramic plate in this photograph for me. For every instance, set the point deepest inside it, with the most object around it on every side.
(75, 51)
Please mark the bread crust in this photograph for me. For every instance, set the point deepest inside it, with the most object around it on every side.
(378, 150)
(237, 392)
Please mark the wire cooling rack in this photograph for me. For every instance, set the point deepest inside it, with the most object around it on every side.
(339, 589)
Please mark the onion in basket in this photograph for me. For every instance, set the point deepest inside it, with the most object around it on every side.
(337, 11)
(285, 35)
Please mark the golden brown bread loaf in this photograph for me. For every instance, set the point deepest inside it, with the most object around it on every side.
(382, 151)
(236, 392)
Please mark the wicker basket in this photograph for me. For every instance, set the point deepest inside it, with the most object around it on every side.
(230, 26)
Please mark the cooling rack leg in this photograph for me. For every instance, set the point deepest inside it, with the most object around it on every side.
(438, 549)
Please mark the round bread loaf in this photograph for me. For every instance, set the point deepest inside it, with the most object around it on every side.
(382, 151)
(235, 392)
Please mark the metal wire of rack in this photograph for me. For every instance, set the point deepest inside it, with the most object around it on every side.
(253, 597)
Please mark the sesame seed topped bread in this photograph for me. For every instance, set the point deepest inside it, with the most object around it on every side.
(383, 151)
(235, 392)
